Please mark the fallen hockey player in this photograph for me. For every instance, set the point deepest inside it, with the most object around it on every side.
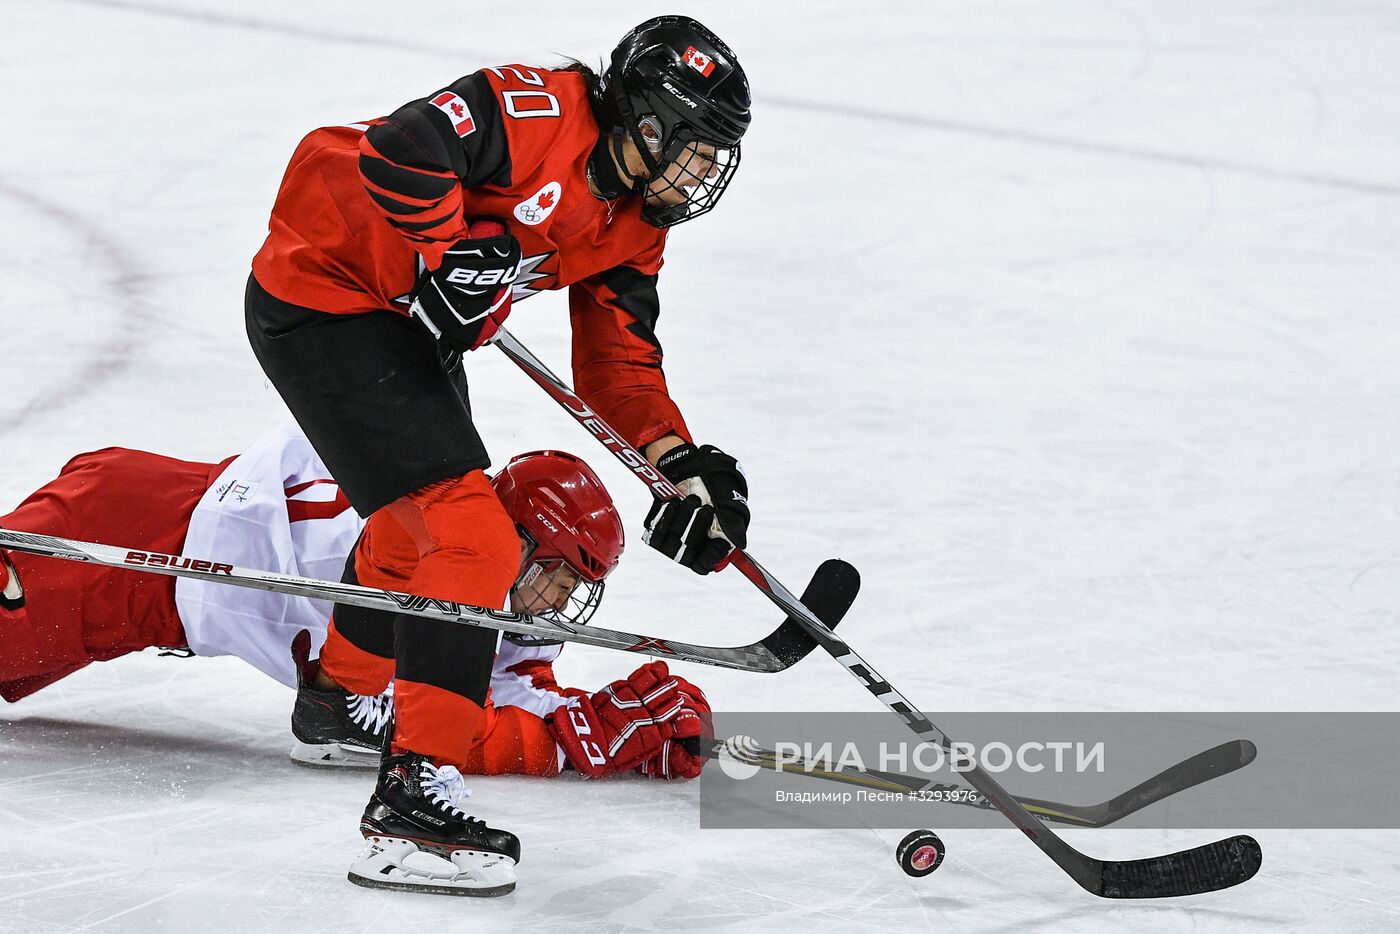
(275, 507)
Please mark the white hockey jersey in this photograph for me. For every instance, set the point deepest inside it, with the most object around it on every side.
(276, 508)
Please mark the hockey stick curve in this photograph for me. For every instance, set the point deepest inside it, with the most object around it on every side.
(1204, 868)
(835, 580)
(1200, 768)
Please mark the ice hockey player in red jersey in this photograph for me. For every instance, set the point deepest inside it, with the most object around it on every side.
(398, 244)
(275, 507)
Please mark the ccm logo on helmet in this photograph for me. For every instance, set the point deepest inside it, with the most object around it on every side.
(679, 95)
(170, 561)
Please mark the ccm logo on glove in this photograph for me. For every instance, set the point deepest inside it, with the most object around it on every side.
(579, 720)
(623, 725)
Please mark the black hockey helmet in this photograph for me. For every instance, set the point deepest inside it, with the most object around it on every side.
(679, 93)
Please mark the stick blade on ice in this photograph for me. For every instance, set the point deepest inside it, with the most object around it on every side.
(1207, 868)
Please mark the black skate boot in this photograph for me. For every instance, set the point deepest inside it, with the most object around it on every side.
(335, 729)
(418, 837)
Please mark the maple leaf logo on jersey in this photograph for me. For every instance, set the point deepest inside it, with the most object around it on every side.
(536, 209)
(699, 61)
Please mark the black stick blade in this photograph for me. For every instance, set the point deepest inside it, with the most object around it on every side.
(1207, 868)
(830, 594)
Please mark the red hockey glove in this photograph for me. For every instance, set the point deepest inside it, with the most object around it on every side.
(467, 298)
(622, 725)
(674, 760)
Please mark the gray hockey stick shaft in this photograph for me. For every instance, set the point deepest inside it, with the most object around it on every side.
(1206, 868)
(776, 652)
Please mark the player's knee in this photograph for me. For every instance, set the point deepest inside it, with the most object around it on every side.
(475, 553)
(387, 552)
(456, 513)
(470, 515)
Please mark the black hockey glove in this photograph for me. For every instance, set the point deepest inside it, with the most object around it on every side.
(467, 298)
(713, 518)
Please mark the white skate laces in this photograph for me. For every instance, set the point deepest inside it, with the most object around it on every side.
(445, 787)
(371, 713)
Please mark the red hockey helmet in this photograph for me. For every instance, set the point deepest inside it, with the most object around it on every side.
(571, 530)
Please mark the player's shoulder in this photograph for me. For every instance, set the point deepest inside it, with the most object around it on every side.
(285, 438)
(527, 91)
(545, 112)
(331, 141)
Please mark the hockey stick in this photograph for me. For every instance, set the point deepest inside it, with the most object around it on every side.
(1200, 768)
(1205, 868)
(834, 581)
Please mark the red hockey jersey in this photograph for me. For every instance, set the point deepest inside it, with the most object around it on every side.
(363, 207)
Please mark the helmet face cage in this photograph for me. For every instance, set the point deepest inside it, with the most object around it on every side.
(684, 164)
(557, 591)
(570, 535)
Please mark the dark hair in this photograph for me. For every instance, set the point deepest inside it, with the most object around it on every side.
(590, 82)
(590, 77)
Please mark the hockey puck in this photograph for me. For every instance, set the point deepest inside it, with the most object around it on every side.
(920, 853)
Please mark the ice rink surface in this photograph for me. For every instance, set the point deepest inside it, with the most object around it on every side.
(1072, 325)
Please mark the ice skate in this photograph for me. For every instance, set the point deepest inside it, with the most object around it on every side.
(334, 728)
(417, 836)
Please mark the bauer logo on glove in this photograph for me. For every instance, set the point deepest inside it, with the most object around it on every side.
(467, 298)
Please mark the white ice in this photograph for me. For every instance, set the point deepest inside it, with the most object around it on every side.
(1072, 325)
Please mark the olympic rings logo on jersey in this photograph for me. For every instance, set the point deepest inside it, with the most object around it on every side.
(535, 210)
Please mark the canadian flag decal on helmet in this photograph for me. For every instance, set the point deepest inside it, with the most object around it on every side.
(699, 61)
(536, 208)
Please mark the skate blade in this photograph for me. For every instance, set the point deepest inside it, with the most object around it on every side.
(334, 756)
(394, 863)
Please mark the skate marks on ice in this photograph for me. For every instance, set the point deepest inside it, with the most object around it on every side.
(222, 19)
(81, 331)
(280, 866)
(1024, 137)
(149, 825)
(823, 107)
(138, 816)
(147, 798)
